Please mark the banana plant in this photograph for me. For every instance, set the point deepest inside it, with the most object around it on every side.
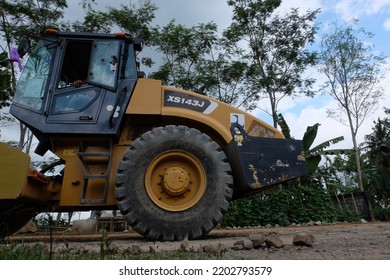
(313, 155)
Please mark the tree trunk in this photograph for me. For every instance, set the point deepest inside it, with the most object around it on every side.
(358, 167)
(272, 98)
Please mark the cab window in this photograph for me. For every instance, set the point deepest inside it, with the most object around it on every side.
(75, 63)
(104, 63)
(128, 63)
(74, 101)
(32, 84)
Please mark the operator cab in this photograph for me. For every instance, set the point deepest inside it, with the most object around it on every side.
(76, 83)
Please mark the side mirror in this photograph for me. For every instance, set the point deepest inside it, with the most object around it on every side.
(138, 44)
(24, 45)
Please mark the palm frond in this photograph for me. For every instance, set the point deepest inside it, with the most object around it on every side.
(284, 126)
(320, 149)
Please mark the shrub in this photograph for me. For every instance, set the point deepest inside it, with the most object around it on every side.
(292, 204)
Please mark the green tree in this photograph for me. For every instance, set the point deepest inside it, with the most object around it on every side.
(24, 17)
(135, 19)
(195, 58)
(184, 49)
(21, 17)
(275, 46)
(94, 21)
(353, 74)
(377, 164)
(377, 144)
(5, 80)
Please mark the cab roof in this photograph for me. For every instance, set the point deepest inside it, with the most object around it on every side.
(84, 35)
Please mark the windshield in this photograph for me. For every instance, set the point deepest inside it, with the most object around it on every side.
(32, 83)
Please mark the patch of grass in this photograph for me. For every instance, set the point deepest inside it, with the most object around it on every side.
(174, 255)
(23, 252)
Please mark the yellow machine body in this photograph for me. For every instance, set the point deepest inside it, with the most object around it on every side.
(147, 103)
(12, 180)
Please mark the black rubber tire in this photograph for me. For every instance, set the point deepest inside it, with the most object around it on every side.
(13, 224)
(13, 216)
(150, 220)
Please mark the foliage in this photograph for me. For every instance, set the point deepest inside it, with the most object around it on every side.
(376, 164)
(24, 252)
(296, 204)
(22, 17)
(275, 48)
(196, 59)
(312, 154)
(5, 80)
(134, 19)
(339, 174)
(184, 49)
(284, 126)
(46, 220)
(94, 21)
(381, 213)
(377, 144)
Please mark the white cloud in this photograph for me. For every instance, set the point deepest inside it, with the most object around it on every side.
(303, 5)
(386, 24)
(353, 9)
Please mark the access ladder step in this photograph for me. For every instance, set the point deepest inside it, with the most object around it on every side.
(96, 159)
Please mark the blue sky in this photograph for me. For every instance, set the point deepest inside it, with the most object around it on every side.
(373, 15)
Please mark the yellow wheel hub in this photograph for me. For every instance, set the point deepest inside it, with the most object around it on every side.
(175, 181)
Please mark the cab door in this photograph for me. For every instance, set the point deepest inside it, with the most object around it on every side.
(87, 76)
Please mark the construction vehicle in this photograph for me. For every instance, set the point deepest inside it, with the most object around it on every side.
(170, 160)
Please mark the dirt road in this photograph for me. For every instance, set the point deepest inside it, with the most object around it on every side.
(332, 242)
(357, 241)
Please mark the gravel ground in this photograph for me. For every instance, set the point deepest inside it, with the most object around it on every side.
(352, 241)
(333, 242)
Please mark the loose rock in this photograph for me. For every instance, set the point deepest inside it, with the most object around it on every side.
(185, 246)
(245, 243)
(273, 240)
(257, 240)
(210, 250)
(303, 240)
(214, 250)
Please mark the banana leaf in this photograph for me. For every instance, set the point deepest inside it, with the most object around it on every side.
(309, 136)
(320, 149)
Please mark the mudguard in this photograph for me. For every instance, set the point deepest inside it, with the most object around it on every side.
(14, 168)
